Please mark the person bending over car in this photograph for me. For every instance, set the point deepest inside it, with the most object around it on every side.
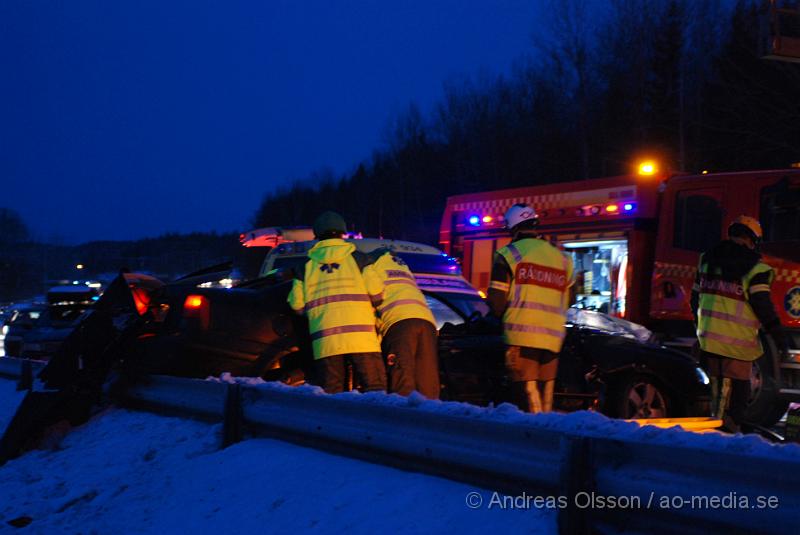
(529, 289)
(338, 300)
(407, 327)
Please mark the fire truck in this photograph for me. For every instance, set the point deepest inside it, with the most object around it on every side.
(636, 240)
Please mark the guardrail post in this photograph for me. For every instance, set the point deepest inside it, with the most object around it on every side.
(232, 415)
(26, 376)
(576, 477)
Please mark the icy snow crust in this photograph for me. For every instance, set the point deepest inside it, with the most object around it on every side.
(129, 472)
(584, 423)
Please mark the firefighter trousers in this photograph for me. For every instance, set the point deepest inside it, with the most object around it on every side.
(412, 362)
(368, 371)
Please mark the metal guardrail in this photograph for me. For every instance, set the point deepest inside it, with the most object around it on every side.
(14, 368)
(507, 457)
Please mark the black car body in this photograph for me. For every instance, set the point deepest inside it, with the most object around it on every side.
(606, 364)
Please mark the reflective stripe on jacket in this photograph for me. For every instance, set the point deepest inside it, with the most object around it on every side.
(538, 294)
(726, 323)
(402, 299)
(334, 295)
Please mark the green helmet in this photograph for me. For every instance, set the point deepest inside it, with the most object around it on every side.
(329, 222)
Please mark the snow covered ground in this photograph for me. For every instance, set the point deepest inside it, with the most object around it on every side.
(130, 472)
(133, 472)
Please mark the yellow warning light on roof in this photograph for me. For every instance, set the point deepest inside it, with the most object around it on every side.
(648, 168)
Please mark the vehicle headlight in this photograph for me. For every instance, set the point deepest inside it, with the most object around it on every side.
(701, 376)
(4, 330)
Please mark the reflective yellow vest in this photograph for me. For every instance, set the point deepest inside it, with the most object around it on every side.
(726, 324)
(402, 299)
(538, 294)
(334, 295)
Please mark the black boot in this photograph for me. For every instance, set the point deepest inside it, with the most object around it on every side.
(740, 393)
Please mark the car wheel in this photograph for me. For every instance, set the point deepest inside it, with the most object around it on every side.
(765, 406)
(641, 397)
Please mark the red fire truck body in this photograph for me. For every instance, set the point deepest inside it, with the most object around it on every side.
(636, 240)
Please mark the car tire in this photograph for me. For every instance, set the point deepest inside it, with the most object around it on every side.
(639, 396)
(765, 407)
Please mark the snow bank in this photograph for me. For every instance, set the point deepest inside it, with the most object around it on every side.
(582, 422)
(128, 472)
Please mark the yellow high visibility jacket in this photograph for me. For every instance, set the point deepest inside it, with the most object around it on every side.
(726, 323)
(402, 299)
(538, 294)
(338, 301)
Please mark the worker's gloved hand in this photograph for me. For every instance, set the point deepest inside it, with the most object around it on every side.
(488, 324)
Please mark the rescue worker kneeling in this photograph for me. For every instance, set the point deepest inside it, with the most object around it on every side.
(407, 327)
(529, 289)
(338, 300)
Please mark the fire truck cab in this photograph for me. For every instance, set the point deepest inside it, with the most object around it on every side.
(636, 240)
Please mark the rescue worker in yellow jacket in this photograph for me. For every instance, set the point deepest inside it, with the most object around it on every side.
(730, 300)
(529, 289)
(339, 301)
(407, 327)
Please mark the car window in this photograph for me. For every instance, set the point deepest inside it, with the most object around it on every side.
(467, 304)
(780, 212)
(698, 220)
(440, 264)
(290, 263)
(442, 313)
(66, 314)
(24, 317)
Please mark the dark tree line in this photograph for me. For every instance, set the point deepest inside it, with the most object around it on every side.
(680, 78)
(29, 268)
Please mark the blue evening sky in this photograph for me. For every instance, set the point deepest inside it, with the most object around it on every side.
(125, 119)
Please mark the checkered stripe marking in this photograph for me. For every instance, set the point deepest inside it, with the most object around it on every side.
(787, 275)
(552, 200)
(680, 271)
(539, 202)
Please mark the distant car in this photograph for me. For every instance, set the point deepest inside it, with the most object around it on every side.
(21, 320)
(37, 331)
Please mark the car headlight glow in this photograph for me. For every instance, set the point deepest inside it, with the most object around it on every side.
(701, 376)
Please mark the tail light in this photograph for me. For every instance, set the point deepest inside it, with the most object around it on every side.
(141, 298)
(197, 308)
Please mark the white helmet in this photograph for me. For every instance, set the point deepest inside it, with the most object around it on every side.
(520, 213)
